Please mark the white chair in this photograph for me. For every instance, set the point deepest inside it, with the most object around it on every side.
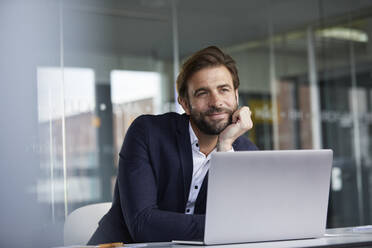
(82, 223)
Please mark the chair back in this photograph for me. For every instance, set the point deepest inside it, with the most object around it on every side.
(82, 223)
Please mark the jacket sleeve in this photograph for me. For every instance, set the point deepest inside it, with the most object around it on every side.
(138, 195)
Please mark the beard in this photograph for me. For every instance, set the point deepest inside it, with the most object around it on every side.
(211, 127)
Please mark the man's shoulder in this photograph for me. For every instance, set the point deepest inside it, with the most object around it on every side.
(168, 121)
(244, 144)
(166, 118)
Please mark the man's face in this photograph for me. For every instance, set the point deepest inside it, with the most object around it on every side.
(212, 99)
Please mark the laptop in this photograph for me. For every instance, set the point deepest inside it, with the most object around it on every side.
(258, 196)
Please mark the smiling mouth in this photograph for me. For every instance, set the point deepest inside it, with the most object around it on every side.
(217, 115)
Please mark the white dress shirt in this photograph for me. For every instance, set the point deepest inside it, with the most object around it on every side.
(200, 168)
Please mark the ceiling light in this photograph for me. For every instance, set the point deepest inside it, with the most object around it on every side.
(343, 34)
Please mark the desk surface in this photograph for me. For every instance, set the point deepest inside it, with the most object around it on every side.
(337, 237)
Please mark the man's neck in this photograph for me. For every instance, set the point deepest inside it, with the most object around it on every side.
(206, 142)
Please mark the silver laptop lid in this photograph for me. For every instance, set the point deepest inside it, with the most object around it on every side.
(267, 195)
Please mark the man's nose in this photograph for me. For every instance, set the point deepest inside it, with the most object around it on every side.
(215, 100)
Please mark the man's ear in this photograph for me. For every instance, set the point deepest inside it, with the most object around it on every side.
(237, 96)
(184, 104)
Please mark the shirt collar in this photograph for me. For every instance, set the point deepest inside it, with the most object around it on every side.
(194, 140)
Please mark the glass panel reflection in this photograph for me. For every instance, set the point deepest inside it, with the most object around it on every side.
(67, 95)
(133, 93)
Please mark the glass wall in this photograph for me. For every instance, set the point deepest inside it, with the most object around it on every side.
(91, 67)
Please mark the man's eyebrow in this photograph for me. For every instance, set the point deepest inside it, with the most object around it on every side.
(207, 89)
(224, 85)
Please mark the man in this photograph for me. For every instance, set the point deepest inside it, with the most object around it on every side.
(160, 192)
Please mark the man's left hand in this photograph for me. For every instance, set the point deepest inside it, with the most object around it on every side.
(241, 123)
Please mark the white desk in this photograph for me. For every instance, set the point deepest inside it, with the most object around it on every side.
(338, 237)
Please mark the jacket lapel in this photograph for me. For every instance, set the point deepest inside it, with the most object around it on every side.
(185, 153)
(201, 200)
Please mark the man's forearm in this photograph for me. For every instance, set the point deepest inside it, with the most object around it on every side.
(154, 225)
(224, 146)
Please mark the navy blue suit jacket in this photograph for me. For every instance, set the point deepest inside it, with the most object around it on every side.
(153, 183)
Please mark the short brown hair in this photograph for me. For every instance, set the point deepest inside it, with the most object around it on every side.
(210, 56)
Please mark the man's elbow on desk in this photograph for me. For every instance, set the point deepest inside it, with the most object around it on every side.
(161, 226)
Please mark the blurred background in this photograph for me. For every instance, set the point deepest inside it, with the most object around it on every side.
(76, 73)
